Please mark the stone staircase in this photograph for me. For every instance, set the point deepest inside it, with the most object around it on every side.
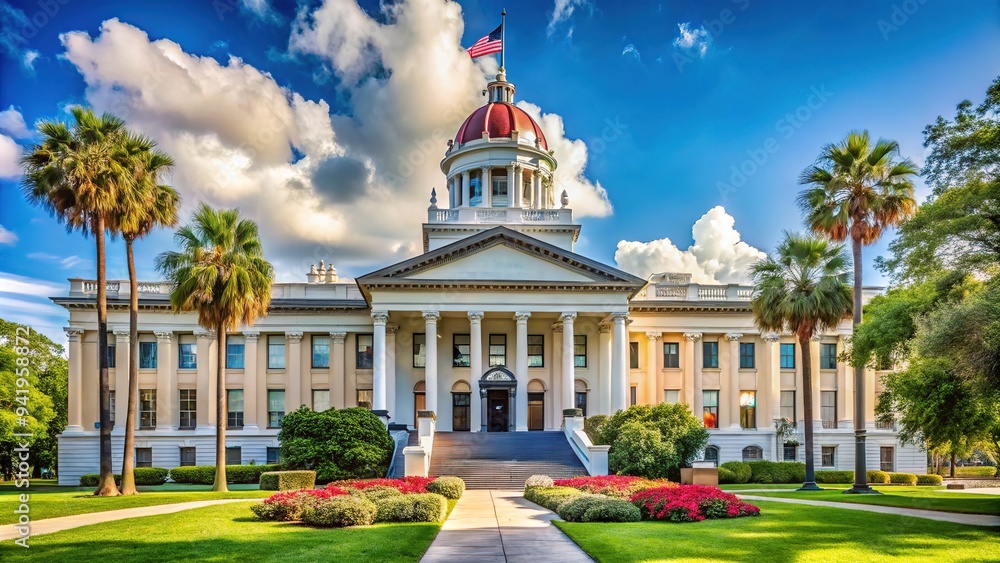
(503, 460)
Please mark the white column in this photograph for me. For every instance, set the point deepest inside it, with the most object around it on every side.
(521, 370)
(556, 371)
(513, 185)
(536, 195)
(692, 373)
(390, 369)
(74, 411)
(734, 379)
(431, 367)
(476, 369)
(518, 183)
(568, 371)
(654, 377)
(378, 361)
(254, 384)
(293, 367)
(338, 383)
(167, 401)
(205, 382)
(619, 363)
(772, 375)
(466, 193)
(122, 358)
(487, 187)
(604, 369)
(452, 192)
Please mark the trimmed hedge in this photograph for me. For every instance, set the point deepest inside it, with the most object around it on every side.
(612, 510)
(91, 479)
(429, 507)
(376, 494)
(205, 474)
(796, 471)
(903, 478)
(741, 471)
(551, 497)
(970, 471)
(448, 487)
(930, 480)
(726, 476)
(423, 507)
(145, 476)
(341, 512)
(835, 477)
(285, 480)
(573, 510)
(878, 477)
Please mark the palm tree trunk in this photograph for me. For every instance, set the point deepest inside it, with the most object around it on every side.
(128, 455)
(807, 412)
(220, 412)
(106, 485)
(860, 463)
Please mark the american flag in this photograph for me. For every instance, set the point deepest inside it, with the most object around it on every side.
(492, 43)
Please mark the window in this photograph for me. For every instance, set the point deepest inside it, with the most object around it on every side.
(147, 355)
(828, 456)
(710, 354)
(273, 455)
(672, 396)
(321, 400)
(364, 398)
(189, 408)
(581, 401)
(787, 356)
(234, 408)
(580, 350)
(366, 346)
(790, 451)
(112, 407)
(187, 456)
(275, 407)
(187, 355)
(887, 459)
(828, 408)
(710, 408)
(671, 355)
(419, 350)
(234, 455)
(828, 356)
(112, 354)
(321, 352)
(498, 350)
(460, 350)
(747, 355)
(147, 408)
(748, 409)
(712, 454)
(788, 406)
(633, 395)
(235, 348)
(633, 355)
(536, 351)
(144, 457)
(753, 453)
(276, 351)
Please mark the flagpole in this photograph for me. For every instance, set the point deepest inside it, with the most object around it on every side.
(503, 35)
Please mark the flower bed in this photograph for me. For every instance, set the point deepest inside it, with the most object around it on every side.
(289, 506)
(618, 486)
(406, 485)
(690, 503)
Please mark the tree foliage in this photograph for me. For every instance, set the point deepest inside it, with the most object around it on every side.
(653, 441)
(337, 444)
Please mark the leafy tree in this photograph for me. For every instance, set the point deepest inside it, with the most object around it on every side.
(857, 190)
(77, 175)
(803, 287)
(652, 441)
(220, 272)
(337, 444)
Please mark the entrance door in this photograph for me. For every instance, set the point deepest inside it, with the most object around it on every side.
(536, 411)
(460, 405)
(419, 404)
(498, 409)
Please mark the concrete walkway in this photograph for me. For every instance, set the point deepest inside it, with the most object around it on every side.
(970, 519)
(51, 525)
(500, 526)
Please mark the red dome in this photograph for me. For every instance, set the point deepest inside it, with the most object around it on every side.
(499, 119)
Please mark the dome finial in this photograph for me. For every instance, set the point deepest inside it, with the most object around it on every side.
(434, 198)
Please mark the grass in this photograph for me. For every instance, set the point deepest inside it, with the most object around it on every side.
(924, 498)
(786, 533)
(227, 532)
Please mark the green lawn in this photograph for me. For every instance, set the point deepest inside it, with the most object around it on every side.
(925, 498)
(226, 533)
(789, 533)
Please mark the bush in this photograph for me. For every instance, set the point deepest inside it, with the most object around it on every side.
(833, 477)
(539, 481)
(573, 510)
(429, 507)
(691, 503)
(376, 494)
(903, 478)
(288, 506)
(877, 477)
(406, 485)
(247, 474)
(726, 476)
(612, 510)
(551, 497)
(653, 441)
(930, 480)
(619, 486)
(341, 512)
(448, 487)
(594, 427)
(205, 474)
(764, 471)
(286, 480)
(336, 444)
(740, 469)
(972, 471)
(149, 475)
(92, 479)
(419, 507)
(398, 508)
(796, 471)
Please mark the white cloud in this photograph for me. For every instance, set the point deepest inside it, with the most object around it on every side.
(631, 51)
(7, 237)
(562, 11)
(718, 254)
(29, 58)
(10, 154)
(693, 40)
(26, 301)
(12, 123)
(64, 262)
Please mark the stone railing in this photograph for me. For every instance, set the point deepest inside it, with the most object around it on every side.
(417, 459)
(698, 292)
(119, 289)
(504, 215)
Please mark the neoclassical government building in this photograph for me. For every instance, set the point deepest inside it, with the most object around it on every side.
(497, 327)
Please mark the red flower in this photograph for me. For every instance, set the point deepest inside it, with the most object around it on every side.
(406, 485)
(622, 486)
(691, 503)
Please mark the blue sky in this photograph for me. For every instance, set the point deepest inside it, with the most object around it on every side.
(669, 99)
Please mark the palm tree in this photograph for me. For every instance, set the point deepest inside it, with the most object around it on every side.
(149, 204)
(803, 287)
(221, 273)
(858, 190)
(77, 175)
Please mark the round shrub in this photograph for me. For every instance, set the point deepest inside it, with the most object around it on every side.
(539, 480)
(593, 426)
(376, 494)
(428, 507)
(726, 476)
(903, 478)
(341, 512)
(573, 510)
(448, 487)
(612, 510)
(551, 497)
(740, 469)
(286, 480)
(835, 477)
(796, 471)
(877, 477)
(930, 480)
(398, 508)
(337, 444)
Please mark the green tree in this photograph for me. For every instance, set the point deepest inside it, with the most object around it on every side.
(803, 287)
(857, 190)
(653, 441)
(337, 444)
(77, 174)
(220, 272)
(148, 204)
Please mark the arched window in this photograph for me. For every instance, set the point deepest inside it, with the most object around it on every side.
(712, 454)
(753, 453)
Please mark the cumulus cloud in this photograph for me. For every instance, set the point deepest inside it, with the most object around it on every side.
(26, 300)
(562, 11)
(7, 237)
(718, 254)
(64, 262)
(10, 154)
(12, 123)
(631, 51)
(693, 40)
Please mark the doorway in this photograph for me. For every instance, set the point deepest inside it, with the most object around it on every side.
(498, 409)
(461, 404)
(419, 400)
(536, 411)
